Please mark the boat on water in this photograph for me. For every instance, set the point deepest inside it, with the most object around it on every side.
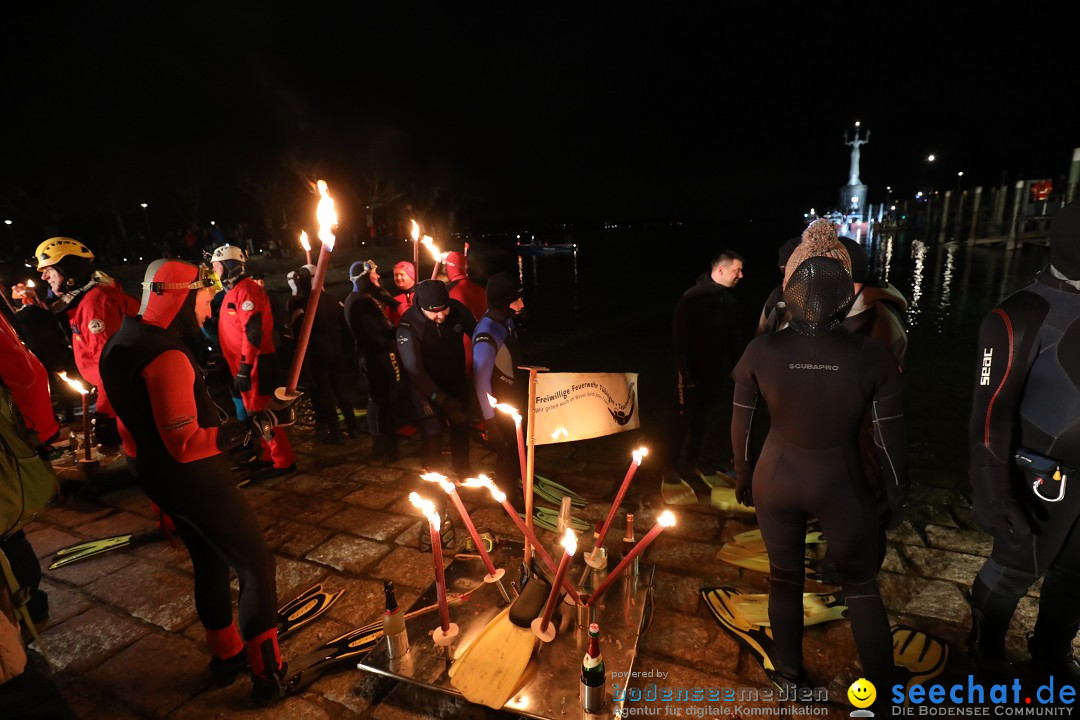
(527, 249)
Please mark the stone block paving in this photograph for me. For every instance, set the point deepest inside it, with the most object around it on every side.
(124, 633)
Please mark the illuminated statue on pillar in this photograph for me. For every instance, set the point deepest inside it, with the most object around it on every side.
(853, 195)
(853, 178)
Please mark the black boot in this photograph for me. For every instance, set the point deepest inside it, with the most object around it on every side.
(1051, 653)
(986, 646)
(271, 686)
(226, 670)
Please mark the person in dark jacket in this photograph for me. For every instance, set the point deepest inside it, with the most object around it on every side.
(429, 339)
(707, 343)
(376, 353)
(324, 362)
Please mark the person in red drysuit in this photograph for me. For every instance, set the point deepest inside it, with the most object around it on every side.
(93, 304)
(167, 416)
(405, 282)
(246, 333)
(468, 292)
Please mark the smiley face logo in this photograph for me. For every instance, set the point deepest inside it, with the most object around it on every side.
(862, 693)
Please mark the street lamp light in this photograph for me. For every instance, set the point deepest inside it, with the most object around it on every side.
(146, 216)
(930, 158)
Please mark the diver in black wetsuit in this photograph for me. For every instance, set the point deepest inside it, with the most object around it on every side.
(1026, 407)
(174, 434)
(818, 379)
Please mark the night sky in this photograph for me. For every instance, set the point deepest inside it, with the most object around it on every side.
(582, 113)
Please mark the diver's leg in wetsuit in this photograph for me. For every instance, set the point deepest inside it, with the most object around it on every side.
(784, 532)
(430, 433)
(1059, 614)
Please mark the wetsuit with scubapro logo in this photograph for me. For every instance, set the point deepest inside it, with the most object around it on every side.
(246, 333)
(1027, 395)
(816, 390)
(168, 416)
(434, 358)
(375, 343)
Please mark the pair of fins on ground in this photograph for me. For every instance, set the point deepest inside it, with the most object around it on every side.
(920, 657)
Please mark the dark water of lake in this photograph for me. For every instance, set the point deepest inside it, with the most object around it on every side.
(609, 309)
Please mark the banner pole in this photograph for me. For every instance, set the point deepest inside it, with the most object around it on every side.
(530, 455)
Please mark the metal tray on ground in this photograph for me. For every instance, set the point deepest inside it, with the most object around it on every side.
(549, 688)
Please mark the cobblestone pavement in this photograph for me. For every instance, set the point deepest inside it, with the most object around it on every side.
(124, 633)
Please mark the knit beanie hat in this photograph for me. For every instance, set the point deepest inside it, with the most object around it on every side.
(818, 240)
(503, 289)
(431, 295)
(1065, 240)
(406, 267)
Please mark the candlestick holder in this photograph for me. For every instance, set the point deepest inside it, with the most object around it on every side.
(443, 638)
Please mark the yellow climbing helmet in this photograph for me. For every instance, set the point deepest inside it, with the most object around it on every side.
(55, 249)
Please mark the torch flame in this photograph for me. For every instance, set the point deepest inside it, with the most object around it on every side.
(304, 241)
(504, 408)
(327, 217)
(441, 479)
(429, 243)
(415, 231)
(29, 283)
(640, 453)
(428, 508)
(666, 519)
(485, 482)
(75, 384)
(559, 432)
(569, 542)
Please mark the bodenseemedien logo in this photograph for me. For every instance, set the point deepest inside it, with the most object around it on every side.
(862, 694)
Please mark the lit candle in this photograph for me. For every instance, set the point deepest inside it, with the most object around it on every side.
(665, 521)
(306, 245)
(493, 573)
(327, 217)
(541, 625)
(78, 386)
(512, 412)
(428, 508)
(638, 454)
(500, 497)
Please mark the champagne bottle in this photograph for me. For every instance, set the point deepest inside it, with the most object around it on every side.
(397, 639)
(593, 675)
(628, 544)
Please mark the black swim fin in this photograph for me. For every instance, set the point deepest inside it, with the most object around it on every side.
(304, 608)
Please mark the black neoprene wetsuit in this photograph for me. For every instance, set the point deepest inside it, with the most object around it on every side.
(817, 389)
(174, 426)
(1028, 395)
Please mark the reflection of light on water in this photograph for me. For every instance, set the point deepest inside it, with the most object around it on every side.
(947, 275)
(918, 248)
(888, 258)
(521, 271)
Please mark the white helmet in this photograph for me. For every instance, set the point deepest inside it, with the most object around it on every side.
(228, 252)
